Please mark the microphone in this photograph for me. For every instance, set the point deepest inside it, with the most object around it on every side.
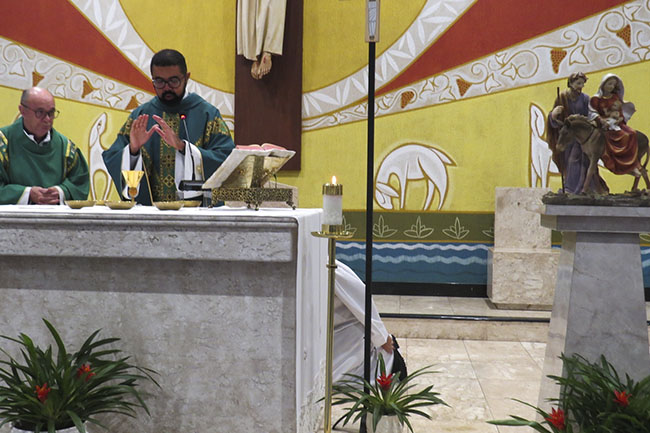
(187, 137)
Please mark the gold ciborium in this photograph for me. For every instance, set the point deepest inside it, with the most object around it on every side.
(132, 178)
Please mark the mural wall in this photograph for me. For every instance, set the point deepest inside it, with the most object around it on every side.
(463, 88)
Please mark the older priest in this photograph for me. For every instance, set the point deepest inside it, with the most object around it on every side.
(175, 136)
(38, 165)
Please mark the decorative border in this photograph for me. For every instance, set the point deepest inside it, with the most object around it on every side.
(22, 67)
(436, 16)
(109, 18)
(614, 38)
(422, 226)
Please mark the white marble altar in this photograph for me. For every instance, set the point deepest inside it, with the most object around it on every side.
(599, 306)
(522, 267)
(228, 305)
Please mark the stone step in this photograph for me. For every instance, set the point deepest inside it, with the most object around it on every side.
(467, 327)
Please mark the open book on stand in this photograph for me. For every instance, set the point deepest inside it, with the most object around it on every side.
(244, 173)
(249, 166)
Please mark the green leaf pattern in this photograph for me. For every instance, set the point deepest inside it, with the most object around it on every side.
(489, 232)
(381, 230)
(456, 231)
(348, 227)
(418, 230)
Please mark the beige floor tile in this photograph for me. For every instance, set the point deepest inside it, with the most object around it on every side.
(454, 370)
(448, 358)
(386, 303)
(506, 429)
(459, 409)
(471, 306)
(499, 394)
(438, 350)
(444, 426)
(453, 389)
(424, 305)
(511, 369)
(495, 350)
(537, 351)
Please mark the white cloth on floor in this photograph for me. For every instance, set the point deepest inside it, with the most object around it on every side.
(349, 319)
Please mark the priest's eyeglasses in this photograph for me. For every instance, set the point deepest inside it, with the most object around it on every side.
(173, 82)
(40, 113)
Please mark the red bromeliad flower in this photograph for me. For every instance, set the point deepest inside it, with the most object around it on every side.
(85, 370)
(557, 419)
(385, 381)
(42, 392)
(622, 398)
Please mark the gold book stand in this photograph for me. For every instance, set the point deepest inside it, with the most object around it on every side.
(243, 175)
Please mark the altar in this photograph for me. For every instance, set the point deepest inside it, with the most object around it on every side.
(228, 305)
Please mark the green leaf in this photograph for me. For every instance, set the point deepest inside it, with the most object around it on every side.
(114, 388)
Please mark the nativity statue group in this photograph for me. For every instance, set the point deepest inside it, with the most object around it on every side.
(582, 130)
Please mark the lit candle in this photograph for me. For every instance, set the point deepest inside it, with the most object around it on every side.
(332, 203)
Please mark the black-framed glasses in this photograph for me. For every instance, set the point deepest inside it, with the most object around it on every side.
(40, 113)
(173, 82)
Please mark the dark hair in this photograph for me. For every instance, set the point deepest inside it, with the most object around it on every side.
(169, 57)
(575, 76)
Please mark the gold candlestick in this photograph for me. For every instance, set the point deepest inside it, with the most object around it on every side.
(332, 233)
(332, 229)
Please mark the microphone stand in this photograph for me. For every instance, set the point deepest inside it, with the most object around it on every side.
(189, 149)
(187, 137)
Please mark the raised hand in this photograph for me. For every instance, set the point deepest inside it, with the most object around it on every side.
(167, 133)
(139, 134)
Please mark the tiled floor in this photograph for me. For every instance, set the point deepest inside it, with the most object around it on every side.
(478, 377)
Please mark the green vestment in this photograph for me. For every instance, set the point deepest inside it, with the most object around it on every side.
(203, 126)
(24, 163)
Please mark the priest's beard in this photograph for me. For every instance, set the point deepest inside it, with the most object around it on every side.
(170, 98)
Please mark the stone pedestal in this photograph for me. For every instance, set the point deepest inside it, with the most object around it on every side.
(521, 266)
(599, 306)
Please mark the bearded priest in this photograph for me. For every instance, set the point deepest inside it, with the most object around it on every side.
(175, 136)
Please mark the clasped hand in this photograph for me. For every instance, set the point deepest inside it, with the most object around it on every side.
(140, 135)
(40, 195)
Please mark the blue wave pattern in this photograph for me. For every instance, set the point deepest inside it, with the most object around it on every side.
(431, 262)
(419, 262)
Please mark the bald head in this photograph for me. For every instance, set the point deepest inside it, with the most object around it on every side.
(35, 93)
(38, 111)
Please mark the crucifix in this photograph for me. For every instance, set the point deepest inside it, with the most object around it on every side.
(268, 98)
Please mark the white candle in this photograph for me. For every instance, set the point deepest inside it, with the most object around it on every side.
(332, 203)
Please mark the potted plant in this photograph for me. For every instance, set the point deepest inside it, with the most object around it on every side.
(593, 399)
(44, 392)
(389, 400)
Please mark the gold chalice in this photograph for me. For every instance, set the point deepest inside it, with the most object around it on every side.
(132, 178)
